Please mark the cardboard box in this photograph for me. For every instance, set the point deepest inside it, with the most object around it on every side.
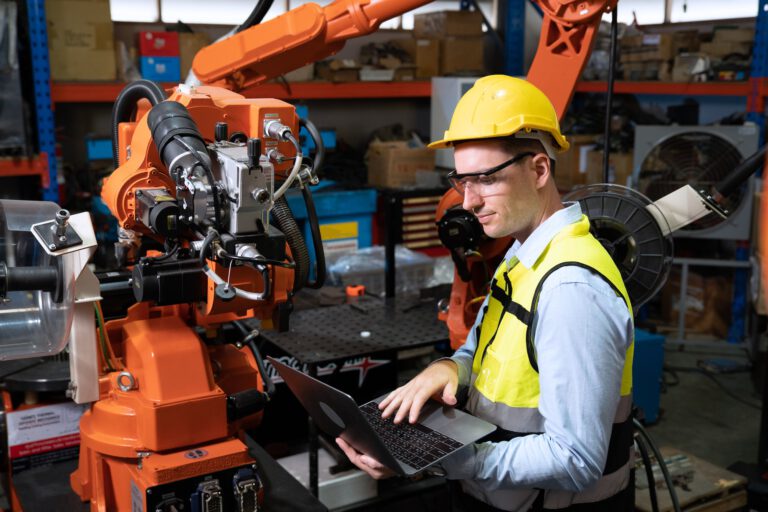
(338, 70)
(158, 44)
(80, 40)
(571, 166)
(189, 44)
(160, 69)
(734, 35)
(405, 74)
(369, 74)
(435, 25)
(722, 49)
(425, 54)
(395, 164)
(619, 168)
(461, 55)
(707, 302)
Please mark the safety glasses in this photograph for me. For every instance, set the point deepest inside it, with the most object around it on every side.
(483, 180)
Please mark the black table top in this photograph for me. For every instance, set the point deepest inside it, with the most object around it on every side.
(365, 327)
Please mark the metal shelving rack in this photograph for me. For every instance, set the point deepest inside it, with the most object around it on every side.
(41, 72)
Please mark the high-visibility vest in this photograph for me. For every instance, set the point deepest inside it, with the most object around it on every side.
(504, 388)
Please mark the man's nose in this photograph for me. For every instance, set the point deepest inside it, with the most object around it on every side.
(472, 200)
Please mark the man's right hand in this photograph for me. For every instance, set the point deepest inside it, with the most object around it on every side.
(439, 380)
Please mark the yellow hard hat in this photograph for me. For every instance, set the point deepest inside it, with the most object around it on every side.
(501, 106)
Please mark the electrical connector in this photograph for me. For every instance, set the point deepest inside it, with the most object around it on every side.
(276, 130)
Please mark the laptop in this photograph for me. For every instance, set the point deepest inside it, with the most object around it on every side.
(404, 448)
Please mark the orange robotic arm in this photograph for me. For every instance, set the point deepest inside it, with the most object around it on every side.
(568, 33)
(310, 33)
(300, 36)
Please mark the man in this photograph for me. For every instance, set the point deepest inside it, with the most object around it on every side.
(549, 359)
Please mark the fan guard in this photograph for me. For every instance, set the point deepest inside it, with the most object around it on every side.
(696, 158)
(619, 218)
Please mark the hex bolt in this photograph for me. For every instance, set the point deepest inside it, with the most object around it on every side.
(60, 227)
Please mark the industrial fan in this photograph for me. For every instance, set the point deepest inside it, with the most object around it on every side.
(668, 157)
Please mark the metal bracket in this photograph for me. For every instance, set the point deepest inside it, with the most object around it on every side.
(46, 232)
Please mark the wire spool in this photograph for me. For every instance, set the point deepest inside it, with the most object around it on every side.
(32, 322)
(622, 221)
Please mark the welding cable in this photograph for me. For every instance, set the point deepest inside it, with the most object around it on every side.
(115, 360)
(294, 171)
(648, 473)
(250, 340)
(125, 105)
(317, 163)
(609, 94)
(287, 224)
(213, 276)
(662, 464)
(256, 16)
(106, 353)
(102, 344)
(317, 241)
(265, 261)
(701, 371)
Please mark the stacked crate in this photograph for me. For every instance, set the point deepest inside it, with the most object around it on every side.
(446, 43)
(651, 56)
(159, 56)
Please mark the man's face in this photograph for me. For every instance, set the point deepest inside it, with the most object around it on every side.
(508, 202)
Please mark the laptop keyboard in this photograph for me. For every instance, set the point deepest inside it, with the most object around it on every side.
(416, 445)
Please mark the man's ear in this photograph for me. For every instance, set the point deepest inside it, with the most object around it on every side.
(543, 167)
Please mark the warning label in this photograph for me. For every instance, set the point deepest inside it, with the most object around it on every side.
(44, 434)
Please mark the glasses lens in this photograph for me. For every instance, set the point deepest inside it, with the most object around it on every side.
(457, 184)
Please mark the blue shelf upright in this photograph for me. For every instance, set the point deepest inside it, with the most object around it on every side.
(514, 38)
(759, 71)
(41, 73)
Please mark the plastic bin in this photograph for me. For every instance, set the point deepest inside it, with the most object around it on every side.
(345, 217)
(646, 372)
(413, 270)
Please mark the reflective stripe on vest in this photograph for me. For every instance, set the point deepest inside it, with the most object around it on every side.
(505, 382)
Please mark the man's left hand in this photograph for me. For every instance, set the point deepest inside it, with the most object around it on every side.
(374, 468)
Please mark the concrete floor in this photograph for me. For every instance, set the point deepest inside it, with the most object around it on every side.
(700, 418)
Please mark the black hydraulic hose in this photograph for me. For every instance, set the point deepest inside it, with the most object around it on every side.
(287, 224)
(648, 473)
(317, 241)
(609, 93)
(662, 465)
(249, 337)
(125, 105)
(739, 175)
(262, 370)
(257, 14)
(317, 161)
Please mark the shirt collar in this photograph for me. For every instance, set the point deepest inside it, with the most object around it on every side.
(528, 253)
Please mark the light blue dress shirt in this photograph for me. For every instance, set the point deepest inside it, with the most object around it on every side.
(582, 332)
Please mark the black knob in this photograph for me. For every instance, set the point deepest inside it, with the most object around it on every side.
(254, 152)
(221, 132)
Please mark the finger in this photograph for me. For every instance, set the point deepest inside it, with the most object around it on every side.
(449, 394)
(392, 406)
(402, 411)
(371, 462)
(348, 450)
(418, 402)
(389, 398)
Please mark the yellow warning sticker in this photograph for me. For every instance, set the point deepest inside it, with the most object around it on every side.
(338, 230)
